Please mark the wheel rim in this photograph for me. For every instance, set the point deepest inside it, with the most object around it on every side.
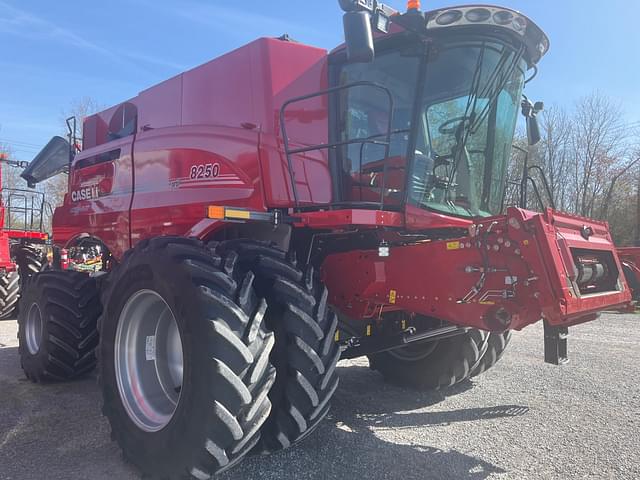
(414, 352)
(33, 329)
(149, 360)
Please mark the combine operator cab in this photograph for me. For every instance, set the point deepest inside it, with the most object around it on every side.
(428, 123)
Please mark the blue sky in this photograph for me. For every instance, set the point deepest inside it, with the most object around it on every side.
(54, 52)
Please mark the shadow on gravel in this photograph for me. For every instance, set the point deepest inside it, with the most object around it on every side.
(348, 446)
(372, 433)
(9, 360)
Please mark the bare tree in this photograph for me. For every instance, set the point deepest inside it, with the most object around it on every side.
(554, 153)
(598, 139)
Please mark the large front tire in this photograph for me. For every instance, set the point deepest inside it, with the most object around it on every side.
(305, 355)
(184, 359)
(57, 322)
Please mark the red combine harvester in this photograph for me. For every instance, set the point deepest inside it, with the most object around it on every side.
(630, 258)
(21, 239)
(236, 206)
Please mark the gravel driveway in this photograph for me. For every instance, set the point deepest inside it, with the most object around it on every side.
(521, 420)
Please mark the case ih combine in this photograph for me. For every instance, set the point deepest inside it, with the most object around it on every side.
(21, 238)
(236, 206)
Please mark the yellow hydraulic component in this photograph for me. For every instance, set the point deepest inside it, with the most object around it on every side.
(393, 295)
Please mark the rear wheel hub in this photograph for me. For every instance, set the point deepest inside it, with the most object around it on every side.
(149, 360)
(33, 329)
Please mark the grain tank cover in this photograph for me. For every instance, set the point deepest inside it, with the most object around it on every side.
(51, 161)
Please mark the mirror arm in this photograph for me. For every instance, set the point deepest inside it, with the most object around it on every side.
(530, 112)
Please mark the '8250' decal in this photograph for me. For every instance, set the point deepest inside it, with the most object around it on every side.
(210, 170)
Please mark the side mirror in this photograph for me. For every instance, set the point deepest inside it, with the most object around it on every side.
(530, 112)
(358, 36)
(52, 160)
(533, 131)
(349, 5)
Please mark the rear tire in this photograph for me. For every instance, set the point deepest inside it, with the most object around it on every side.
(305, 355)
(9, 294)
(209, 418)
(29, 261)
(496, 345)
(432, 367)
(57, 326)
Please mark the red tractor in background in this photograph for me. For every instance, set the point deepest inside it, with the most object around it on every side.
(237, 206)
(630, 258)
(22, 238)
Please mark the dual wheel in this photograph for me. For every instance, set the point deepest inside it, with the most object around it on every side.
(206, 352)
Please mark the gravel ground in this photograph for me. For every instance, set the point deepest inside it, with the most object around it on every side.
(521, 420)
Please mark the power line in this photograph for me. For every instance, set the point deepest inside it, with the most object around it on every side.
(23, 151)
(19, 143)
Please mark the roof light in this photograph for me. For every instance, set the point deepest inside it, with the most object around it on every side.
(413, 5)
(449, 17)
(460, 16)
(503, 17)
(519, 24)
(478, 15)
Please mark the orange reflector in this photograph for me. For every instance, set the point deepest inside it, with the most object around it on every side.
(413, 5)
(216, 212)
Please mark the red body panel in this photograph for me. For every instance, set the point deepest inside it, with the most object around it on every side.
(223, 114)
(630, 255)
(167, 201)
(105, 214)
(529, 278)
(27, 235)
(6, 263)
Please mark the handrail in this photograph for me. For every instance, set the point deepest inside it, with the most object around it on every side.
(289, 152)
(28, 205)
(545, 184)
(527, 178)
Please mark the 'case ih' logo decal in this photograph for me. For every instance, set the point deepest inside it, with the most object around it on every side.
(87, 193)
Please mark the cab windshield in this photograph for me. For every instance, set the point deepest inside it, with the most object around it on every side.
(453, 125)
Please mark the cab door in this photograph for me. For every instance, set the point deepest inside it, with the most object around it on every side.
(100, 192)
